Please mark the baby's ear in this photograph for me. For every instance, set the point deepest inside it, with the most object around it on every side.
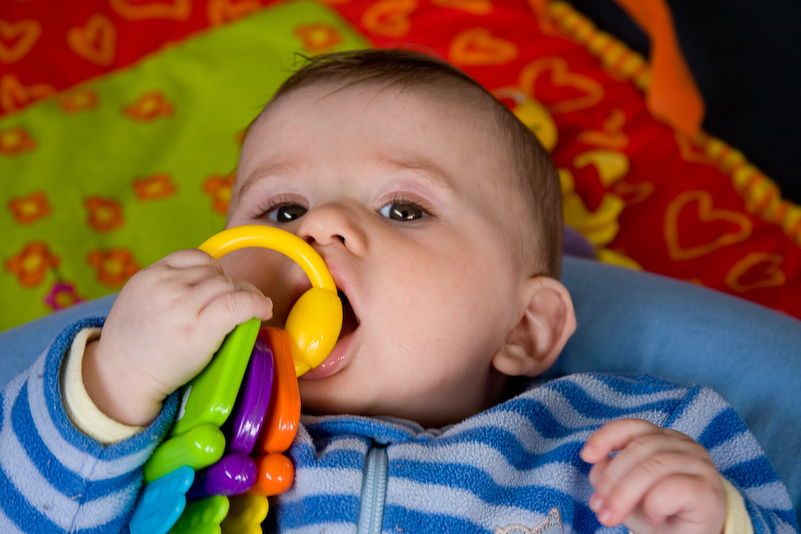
(546, 321)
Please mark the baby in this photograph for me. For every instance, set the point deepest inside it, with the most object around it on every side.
(438, 214)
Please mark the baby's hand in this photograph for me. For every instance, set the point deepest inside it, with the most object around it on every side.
(660, 481)
(163, 329)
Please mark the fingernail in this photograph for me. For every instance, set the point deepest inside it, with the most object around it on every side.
(605, 516)
(595, 503)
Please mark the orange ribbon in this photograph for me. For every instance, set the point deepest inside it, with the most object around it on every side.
(672, 94)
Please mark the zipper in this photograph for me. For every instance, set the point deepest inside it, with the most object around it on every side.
(374, 491)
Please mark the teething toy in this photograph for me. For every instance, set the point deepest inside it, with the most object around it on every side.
(224, 455)
(314, 322)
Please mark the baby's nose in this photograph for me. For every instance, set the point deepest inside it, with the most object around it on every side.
(332, 224)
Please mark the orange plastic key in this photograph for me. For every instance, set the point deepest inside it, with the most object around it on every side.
(283, 416)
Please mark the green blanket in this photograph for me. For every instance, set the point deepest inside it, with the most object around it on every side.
(108, 177)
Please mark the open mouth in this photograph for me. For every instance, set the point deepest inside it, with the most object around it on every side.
(349, 320)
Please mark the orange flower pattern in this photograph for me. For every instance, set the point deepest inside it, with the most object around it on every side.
(154, 187)
(318, 37)
(113, 267)
(76, 101)
(219, 187)
(149, 106)
(31, 265)
(239, 137)
(31, 208)
(104, 214)
(14, 141)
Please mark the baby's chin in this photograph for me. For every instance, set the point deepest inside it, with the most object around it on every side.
(421, 413)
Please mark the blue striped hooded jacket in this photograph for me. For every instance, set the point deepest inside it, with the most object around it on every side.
(512, 469)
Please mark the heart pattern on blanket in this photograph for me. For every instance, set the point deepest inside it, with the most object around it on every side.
(611, 134)
(222, 11)
(14, 95)
(389, 18)
(96, 41)
(17, 39)
(689, 151)
(475, 7)
(634, 193)
(552, 82)
(150, 9)
(705, 214)
(478, 46)
(757, 269)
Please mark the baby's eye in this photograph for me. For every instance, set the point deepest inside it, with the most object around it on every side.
(403, 211)
(286, 213)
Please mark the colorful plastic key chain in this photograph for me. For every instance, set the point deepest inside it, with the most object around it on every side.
(198, 480)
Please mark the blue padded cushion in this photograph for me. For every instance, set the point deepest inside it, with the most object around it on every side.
(639, 322)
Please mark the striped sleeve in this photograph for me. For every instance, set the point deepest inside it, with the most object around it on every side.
(54, 478)
(707, 418)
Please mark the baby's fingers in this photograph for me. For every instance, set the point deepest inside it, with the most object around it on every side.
(655, 474)
(635, 441)
(659, 484)
(615, 436)
(230, 301)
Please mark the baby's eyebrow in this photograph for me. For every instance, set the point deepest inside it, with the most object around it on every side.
(428, 167)
(263, 172)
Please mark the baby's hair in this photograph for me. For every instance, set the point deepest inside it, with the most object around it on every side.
(395, 67)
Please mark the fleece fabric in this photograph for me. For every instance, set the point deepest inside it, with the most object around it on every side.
(512, 469)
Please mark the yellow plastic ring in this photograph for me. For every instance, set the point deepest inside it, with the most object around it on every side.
(255, 235)
(315, 320)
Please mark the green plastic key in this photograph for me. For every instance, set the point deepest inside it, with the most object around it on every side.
(198, 448)
(202, 517)
(210, 396)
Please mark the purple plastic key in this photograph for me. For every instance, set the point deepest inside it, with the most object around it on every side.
(254, 399)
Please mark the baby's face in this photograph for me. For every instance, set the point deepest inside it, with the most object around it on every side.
(410, 202)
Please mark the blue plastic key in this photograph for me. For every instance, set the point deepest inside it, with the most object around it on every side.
(162, 502)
